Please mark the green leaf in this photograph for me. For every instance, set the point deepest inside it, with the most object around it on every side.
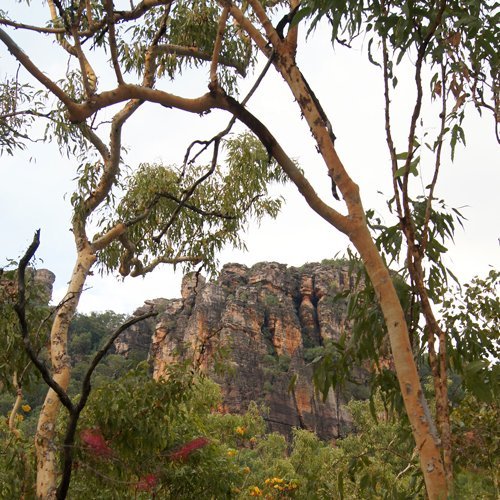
(301, 14)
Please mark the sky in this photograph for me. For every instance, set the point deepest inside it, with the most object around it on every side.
(35, 185)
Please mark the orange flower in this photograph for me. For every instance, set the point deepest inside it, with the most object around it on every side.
(255, 491)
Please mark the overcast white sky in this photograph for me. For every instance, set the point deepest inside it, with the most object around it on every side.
(35, 186)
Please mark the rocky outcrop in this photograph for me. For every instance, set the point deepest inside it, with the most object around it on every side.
(138, 336)
(42, 279)
(45, 279)
(254, 329)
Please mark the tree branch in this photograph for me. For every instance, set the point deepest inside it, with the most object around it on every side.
(69, 438)
(217, 47)
(112, 41)
(208, 213)
(428, 208)
(26, 62)
(110, 157)
(142, 270)
(189, 192)
(196, 53)
(38, 29)
(20, 308)
(388, 131)
(231, 122)
(273, 147)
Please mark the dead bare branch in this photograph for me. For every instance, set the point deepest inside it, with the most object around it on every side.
(20, 308)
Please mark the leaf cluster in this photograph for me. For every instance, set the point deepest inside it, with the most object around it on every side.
(180, 216)
(145, 423)
(471, 316)
(19, 105)
(191, 24)
(13, 357)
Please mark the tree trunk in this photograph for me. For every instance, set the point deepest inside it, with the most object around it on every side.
(17, 404)
(424, 431)
(355, 227)
(46, 449)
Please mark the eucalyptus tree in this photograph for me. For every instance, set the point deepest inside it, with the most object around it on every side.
(169, 215)
(158, 214)
(453, 50)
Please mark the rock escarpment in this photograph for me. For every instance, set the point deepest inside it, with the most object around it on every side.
(139, 335)
(268, 321)
(42, 279)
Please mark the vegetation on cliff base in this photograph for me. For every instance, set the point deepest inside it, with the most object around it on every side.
(139, 438)
(170, 439)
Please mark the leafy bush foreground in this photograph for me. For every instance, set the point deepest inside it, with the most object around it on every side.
(139, 438)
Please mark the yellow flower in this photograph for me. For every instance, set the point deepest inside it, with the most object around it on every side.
(255, 491)
(20, 417)
(240, 430)
(231, 453)
(26, 408)
(246, 470)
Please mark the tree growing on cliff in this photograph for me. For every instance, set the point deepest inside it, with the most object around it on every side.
(170, 215)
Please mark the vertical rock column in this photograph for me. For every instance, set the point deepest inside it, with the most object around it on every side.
(308, 315)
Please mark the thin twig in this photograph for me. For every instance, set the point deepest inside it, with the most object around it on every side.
(189, 192)
(437, 165)
(231, 122)
(112, 41)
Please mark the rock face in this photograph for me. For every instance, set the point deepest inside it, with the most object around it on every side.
(43, 279)
(139, 335)
(267, 321)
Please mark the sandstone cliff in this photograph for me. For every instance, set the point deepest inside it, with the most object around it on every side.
(268, 321)
(43, 279)
(139, 335)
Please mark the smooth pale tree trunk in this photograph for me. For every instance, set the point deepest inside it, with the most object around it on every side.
(355, 227)
(423, 428)
(46, 448)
